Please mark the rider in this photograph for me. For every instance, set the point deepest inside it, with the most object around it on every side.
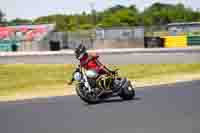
(90, 62)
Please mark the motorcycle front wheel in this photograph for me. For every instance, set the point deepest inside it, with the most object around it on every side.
(90, 98)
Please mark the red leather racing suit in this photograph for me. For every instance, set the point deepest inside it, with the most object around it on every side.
(91, 62)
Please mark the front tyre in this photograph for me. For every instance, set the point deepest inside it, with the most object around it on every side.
(90, 98)
(128, 93)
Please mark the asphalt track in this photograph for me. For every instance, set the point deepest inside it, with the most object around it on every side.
(108, 56)
(158, 109)
(123, 58)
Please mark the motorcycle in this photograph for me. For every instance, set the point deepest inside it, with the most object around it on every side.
(93, 88)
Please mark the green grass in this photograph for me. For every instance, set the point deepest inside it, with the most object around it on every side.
(16, 79)
(151, 71)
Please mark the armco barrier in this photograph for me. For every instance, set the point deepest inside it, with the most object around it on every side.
(193, 40)
(175, 41)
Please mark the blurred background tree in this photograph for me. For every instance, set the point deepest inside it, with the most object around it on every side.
(118, 15)
(2, 20)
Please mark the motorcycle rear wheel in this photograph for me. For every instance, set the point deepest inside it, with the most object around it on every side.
(128, 93)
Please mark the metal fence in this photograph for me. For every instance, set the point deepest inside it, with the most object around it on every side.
(119, 37)
(125, 33)
(108, 38)
(116, 37)
(81, 37)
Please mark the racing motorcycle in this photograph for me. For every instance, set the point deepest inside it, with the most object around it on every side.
(93, 88)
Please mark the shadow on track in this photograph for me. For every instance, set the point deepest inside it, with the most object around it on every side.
(119, 100)
(114, 101)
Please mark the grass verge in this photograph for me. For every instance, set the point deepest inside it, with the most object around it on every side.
(29, 81)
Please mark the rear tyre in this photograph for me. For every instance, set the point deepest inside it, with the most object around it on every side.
(128, 93)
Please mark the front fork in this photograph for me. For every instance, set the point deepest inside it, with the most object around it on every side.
(86, 82)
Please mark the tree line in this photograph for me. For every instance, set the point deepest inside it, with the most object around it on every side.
(156, 14)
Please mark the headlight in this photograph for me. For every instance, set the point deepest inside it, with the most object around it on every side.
(77, 76)
(91, 74)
